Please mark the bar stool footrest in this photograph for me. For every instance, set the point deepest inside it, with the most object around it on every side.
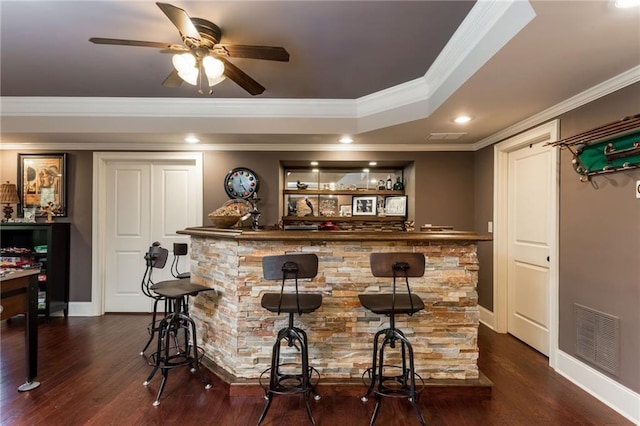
(176, 360)
(288, 384)
(397, 386)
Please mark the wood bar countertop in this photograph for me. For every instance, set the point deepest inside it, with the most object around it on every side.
(266, 235)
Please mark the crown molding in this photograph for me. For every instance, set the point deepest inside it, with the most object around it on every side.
(489, 25)
(104, 146)
(616, 83)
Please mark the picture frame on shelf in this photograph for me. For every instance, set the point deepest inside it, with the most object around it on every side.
(328, 206)
(345, 210)
(42, 183)
(395, 205)
(364, 206)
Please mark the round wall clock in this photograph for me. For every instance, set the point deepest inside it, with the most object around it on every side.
(241, 183)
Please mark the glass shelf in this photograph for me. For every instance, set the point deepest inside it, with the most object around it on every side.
(333, 194)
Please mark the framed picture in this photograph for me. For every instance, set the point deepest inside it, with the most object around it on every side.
(364, 206)
(396, 205)
(345, 210)
(328, 207)
(42, 182)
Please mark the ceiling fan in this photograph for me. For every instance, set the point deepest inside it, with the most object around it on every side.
(202, 53)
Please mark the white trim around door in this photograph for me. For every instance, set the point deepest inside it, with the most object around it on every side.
(100, 161)
(544, 133)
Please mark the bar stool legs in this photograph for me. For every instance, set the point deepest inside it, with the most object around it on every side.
(290, 378)
(383, 383)
(177, 347)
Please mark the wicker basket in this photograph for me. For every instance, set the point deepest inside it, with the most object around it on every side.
(224, 222)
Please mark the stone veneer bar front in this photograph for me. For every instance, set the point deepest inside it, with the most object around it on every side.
(237, 334)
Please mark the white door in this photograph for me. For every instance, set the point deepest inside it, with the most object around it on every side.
(146, 201)
(530, 218)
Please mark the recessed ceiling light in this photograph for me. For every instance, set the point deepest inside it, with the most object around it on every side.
(372, 163)
(365, 170)
(315, 170)
(462, 119)
(191, 139)
(345, 139)
(314, 163)
(625, 4)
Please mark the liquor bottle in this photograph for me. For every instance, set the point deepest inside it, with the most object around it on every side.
(389, 183)
(399, 186)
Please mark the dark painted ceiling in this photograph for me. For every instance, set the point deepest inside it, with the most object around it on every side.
(359, 60)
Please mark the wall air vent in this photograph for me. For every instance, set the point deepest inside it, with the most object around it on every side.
(445, 136)
(598, 338)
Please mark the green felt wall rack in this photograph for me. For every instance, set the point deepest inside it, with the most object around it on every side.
(614, 147)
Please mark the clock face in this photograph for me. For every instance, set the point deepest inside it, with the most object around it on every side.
(241, 183)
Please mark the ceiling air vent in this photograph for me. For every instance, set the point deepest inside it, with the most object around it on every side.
(598, 338)
(445, 136)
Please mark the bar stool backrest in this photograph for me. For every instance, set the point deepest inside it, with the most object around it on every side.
(179, 249)
(400, 265)
(155, 258)
(279, 267)
(383, 264)
(290, 266)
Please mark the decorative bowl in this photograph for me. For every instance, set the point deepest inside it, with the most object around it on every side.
(224, 222)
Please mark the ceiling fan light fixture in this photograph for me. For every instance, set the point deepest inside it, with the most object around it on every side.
(185, 64)
(216, 80)
(213, 67)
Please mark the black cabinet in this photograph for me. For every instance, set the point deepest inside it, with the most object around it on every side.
(43, 245)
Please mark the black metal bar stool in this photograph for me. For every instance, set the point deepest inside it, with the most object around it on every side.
(290, 378)
(177, 342)
(393, 380)
(155, 258)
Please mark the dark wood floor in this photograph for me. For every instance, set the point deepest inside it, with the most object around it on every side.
(91, 374)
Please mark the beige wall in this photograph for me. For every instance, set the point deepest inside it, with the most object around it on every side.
(483, 214)
(443, 193)
(599, 237)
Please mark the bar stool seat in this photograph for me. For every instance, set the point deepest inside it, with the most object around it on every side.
(177, 340)
(289, 303)
(290, 378)
(383, 304)
(393, 380)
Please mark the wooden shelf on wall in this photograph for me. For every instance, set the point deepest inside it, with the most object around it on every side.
(343, 218)
(355, 192)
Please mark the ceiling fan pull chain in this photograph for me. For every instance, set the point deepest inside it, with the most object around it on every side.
(200, 71)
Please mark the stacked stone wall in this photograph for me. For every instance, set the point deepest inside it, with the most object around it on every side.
(238, 335)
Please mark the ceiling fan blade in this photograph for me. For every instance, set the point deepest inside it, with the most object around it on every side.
(270, 53)
(121, 42)
(180, 19)
(241, 78)
(172, 80)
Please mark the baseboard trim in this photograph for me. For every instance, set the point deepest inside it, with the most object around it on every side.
(619, 398)
(83, 309)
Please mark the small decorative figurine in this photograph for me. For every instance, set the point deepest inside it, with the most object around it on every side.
(301, 185)
(50, 210)
(308, 203)
(292, 207)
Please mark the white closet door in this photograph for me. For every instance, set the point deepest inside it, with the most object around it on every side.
(146, 201)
